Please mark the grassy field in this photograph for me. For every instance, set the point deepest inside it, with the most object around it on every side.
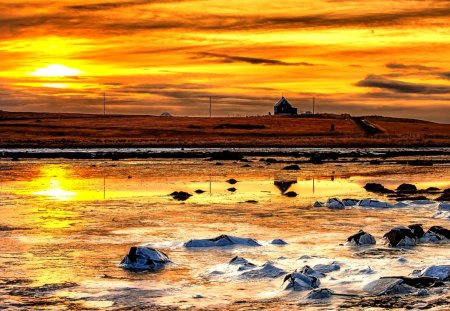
(80, 130)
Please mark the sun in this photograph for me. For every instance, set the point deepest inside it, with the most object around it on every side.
(56, 70)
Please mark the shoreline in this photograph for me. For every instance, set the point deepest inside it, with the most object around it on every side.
(314, 155)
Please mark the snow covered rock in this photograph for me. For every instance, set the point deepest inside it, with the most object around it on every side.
(440, 272)
(319, 293)
(388, 286)
(220, 241)
(278, 242)
(300, 282)
(323, 268)
(144, 258)
(307, 270)
(267, 270)
(361, 238)
(374, 203)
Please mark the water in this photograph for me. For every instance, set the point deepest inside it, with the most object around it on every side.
(70, 223)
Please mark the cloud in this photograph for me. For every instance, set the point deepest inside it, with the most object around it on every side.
(445, 75)
(411, 66)
(224, 58)
(403, 87)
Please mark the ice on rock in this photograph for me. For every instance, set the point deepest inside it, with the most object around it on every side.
(144, 258)
(222, 240)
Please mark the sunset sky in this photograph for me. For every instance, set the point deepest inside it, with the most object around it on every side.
(151, 56)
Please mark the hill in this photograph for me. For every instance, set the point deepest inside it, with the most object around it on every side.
(323, 130)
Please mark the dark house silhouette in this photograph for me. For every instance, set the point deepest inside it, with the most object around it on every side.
(284, 107)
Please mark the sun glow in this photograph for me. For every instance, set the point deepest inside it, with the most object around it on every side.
(56, 70)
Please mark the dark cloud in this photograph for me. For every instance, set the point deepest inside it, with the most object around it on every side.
(100, 6)
(403, 87)
(410, 66)
(224, 58)
(445, 75)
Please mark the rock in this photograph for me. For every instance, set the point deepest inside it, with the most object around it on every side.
(361, 238)
(432, 189)
(440, 231)
(307, 270)
(408, 188)
(327, 268)
(374, 203)
(350, 202)
(290, 194)
(251, 201)
(219, 163)
(440, 272)
(246, 165)
(199, 191)
(374, 162)
(387, 286)
(198, 296)
(232, 181)
(180, 195)
(417, 230)
(300, 282)
(243, 263)
(232, 189)
(318, 204)
(416, 198)
(319, 293)
(444, 206)
(268, 270)
(400, 236)
(334, 203)
(144, 258)
(377, 188)
(445, 196)
(222, 240)
(293, 167)
(278, 242)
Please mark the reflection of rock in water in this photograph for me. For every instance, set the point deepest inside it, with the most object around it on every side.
(284, 185)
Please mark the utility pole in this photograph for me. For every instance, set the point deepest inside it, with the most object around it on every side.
(210, 106)
(104, 103)
(314, 105)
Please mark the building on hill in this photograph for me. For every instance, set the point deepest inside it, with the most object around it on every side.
(284, 107)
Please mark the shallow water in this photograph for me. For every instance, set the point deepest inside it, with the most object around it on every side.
(73, 221)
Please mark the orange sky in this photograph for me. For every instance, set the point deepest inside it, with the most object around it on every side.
(151, 56)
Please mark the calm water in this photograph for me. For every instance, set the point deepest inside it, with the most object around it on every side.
(73, 221)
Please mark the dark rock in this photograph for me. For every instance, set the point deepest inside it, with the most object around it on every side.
(420, 163)
(445, 196)
(180, 195)
(417, 230)
(232, 181)
(316, 159)
(232, 189)
(440, 231)
(400, 236)
(409, 188)
(377, 188)
(251, 201)
(246, 165)
(290, 194)
(335, 203)
(222, 240)
(219, 163)
(375, 162)
(293, 167)
(361, 238)
(144, 258)
(271, 160)
(199, 191)
(433, 189)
